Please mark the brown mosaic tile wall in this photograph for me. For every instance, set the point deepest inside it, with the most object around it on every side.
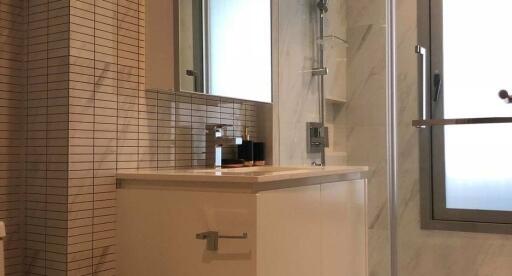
(12, 129)
(47, 138)
(106, 80)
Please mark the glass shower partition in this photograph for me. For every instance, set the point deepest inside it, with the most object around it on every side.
(357, 99)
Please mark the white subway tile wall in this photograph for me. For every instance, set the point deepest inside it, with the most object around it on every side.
(85, 114)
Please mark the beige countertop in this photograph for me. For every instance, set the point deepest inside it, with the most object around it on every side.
(251, 178)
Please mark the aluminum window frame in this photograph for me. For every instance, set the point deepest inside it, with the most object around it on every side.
(434, 214)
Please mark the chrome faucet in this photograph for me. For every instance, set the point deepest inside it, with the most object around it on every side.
(215, 140)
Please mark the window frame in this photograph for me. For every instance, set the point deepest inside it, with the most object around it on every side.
(434, 214)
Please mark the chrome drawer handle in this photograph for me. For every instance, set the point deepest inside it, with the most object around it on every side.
(212, 239)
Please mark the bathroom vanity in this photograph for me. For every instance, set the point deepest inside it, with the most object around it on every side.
(261, 221)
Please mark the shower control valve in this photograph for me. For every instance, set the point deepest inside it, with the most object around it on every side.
(324, 71)
(317, 137)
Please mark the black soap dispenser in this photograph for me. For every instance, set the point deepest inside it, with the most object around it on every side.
(246, 149)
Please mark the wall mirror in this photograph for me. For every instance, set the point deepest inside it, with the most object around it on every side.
(225, 48)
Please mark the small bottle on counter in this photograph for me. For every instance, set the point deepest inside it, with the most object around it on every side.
(259, 154)
(246, 149)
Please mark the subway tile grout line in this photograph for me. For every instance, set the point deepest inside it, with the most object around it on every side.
(94, 134)
(117, 85)
(46, 141)
(67, 143)
(138, 85)
(26, 43)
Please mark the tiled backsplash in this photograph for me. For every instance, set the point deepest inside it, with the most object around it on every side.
(173, 127)
(86, 114)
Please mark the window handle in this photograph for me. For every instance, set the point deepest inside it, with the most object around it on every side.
(437, 86)
(505, 96)
(422, 52)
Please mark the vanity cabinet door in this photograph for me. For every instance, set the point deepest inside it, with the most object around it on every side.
(157, 229)
(313, 230)
(344, 229)
(289, 236)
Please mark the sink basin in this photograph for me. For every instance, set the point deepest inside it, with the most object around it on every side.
(252, 170)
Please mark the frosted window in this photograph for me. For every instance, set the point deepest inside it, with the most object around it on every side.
(477, 64)
(240, 49)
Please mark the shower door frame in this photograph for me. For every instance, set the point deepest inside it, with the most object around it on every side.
(434, 214)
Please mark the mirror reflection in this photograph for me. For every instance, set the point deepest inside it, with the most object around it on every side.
(191, 45)
(225, 48)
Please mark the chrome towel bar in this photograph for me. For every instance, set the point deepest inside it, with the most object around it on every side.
(460, 121)
(212, 239)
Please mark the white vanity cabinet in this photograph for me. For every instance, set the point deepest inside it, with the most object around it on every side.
(313, 230)
(303, 230)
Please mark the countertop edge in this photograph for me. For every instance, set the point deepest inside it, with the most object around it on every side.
(244, 184)
(178, 176)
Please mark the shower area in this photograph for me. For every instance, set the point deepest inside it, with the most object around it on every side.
(351, 65)
(333, 71)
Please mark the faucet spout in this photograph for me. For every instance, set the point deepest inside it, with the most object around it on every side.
(215, 140)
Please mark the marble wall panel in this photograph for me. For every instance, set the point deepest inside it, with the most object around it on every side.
(297, 101)
(365, 113)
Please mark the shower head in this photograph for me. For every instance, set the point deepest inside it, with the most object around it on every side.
(322, 6)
